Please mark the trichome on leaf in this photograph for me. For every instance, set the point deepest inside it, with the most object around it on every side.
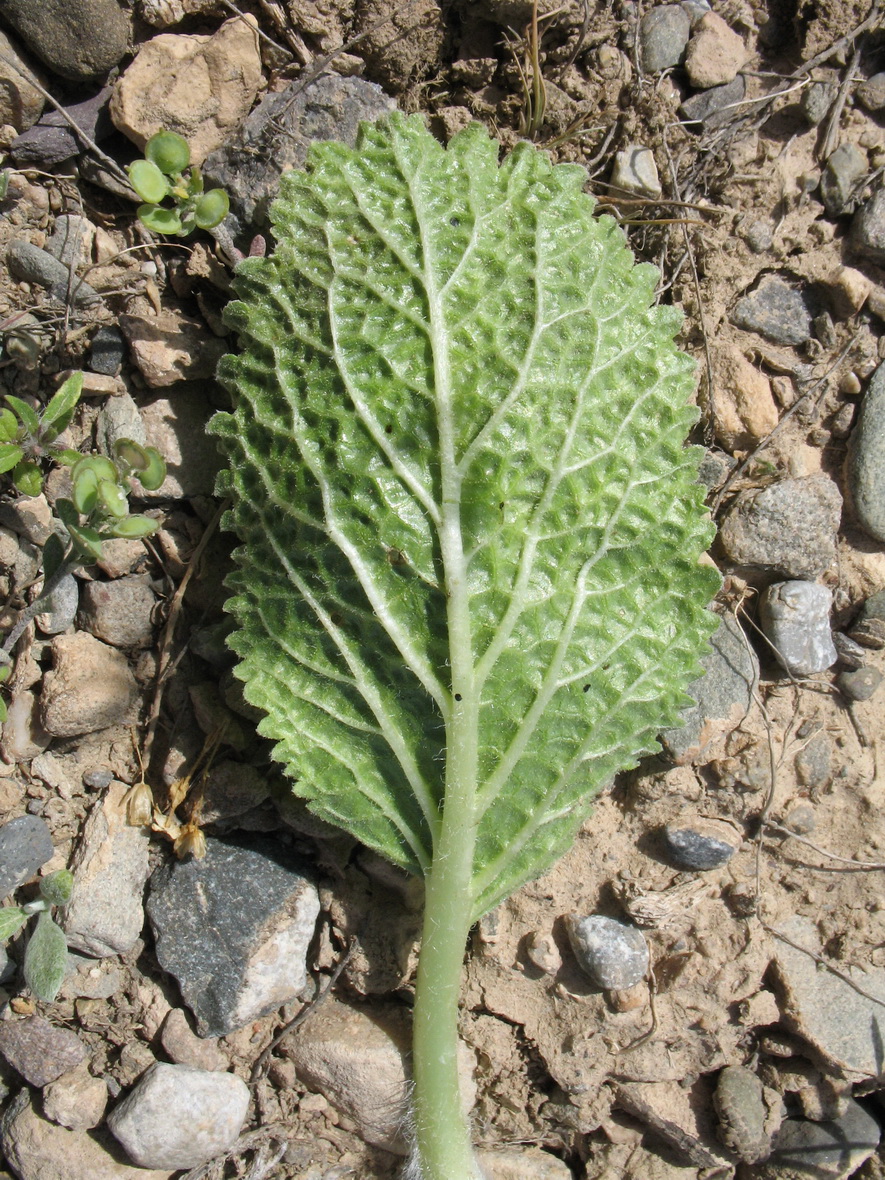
(455, 362)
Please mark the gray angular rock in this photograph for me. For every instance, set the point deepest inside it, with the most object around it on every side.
(38, 1050)
(871, 94)
(33, 265)
(180, 1117)
(119, 418)
(865, 464)
(845, 169)
(25, 846)
(816, 101)
(89, 687)
(789, 527)
(869, 626)
(234, 930)
(613, 954)
(35, 1147)
(276, 135)
(724, 694)
(867, 236)
(714, 107)
(775, 310)
(663, 37)
(120, 612)
(107, 352)
(795, 618)
(859, 684)
(105, 915)
(699, 845)
(62, 605)
(51, 140)
(77, 39)
(831, 1150)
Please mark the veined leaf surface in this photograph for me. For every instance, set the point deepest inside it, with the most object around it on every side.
(470, 526)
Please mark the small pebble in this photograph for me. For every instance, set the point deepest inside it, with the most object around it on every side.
(865, 465)
(62, 605)
(867, 235)
(33, 265)
(38, 1050)
(845, 169)
(801, 820)
(776, 311)
(108, 351)
(795, 617)
(871, 94)
(542, 951)
(740, 1106)
(715, 53)
(636, 172)
(817, 100)
(613, 954)
(76, 1100)
(714, 107)
(700, 845)
(628, 999)
(851, 654)
(859, 684)
(869, 626)
(663, 37)
(180, 1117)
(758, 236)
(25, 846)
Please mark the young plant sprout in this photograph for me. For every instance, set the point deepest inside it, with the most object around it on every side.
(166, 173)
(468, 587)
(46, 953)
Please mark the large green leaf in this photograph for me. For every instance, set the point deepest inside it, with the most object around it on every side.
(457, 459)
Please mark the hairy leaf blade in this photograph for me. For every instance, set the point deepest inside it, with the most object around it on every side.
(452, 371)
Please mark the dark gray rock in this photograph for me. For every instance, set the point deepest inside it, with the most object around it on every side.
(776, 311)
(77, 39)
(816, 101)
(234, 930)
(869, 626)
(663, 37)
(51, 141)
(25, 846)
(867, 235)
(851, 654)
(699, 845)
(859, 684)
(865, 465)
(276, 135)
(38, 1050)
(712, 107)
(108, 351)
(795, 618)
(789, 527)
(724, 694)
(180, 1117)
(832, 1150)
(871, 94)
(614, 954)
(844, 172)
(34, 265)
(120, 612)
(739, 1102)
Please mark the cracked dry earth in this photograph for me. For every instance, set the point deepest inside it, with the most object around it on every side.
(743, 148)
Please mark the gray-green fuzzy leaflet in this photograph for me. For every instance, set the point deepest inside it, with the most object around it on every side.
(468, 589)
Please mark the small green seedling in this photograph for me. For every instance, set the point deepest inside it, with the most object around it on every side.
(468, 589)
(166, 173)
(98, 507)
(46, 953)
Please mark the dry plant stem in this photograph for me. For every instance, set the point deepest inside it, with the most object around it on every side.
(166, 666)
(860, 866)
(831, 139)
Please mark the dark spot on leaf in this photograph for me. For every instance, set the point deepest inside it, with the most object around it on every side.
(586, 688)
(457, 696)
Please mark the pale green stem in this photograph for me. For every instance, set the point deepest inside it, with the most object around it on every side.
(442, 1134)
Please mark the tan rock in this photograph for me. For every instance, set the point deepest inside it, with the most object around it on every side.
(172, 347)
(744, 408)
(76, 1100)
(21, 103)
(90, 686)
(201, 87)
(715, 53)
(849, 289)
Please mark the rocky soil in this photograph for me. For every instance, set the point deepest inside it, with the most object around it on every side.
(697, 989)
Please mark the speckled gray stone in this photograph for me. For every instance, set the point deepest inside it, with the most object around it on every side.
(33, 265)
(699, 845)
(844, 170)
(795, 617)
(867, 235)
(614, 954)
(776, 311)
(789, 527)
(871, 94)
(234, 930)
(859, 684)
(62, 604)
(663, 37)
(869, 626)
(38, 1050)
(865, 465)
(180, 1117)
(714, 107)
(25, 845)
(816, 101)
